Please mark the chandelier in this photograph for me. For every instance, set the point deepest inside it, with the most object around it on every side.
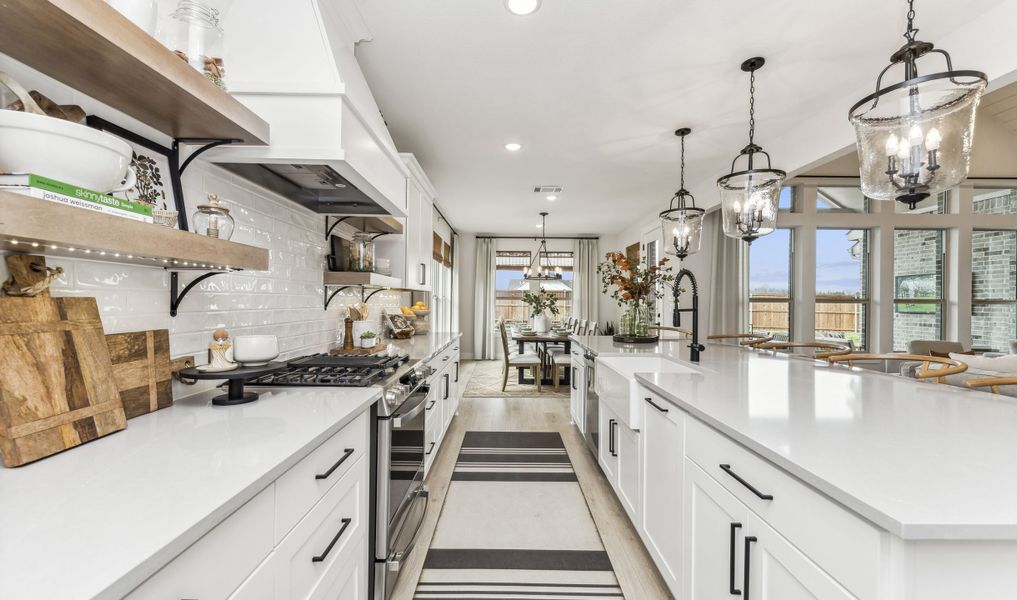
(540, 268)
(682, 224)
(914, 137)
(749, 198)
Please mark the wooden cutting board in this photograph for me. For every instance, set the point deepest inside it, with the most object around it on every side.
(57, 388)
(141, 367)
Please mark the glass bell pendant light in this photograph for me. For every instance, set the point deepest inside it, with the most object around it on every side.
(682, 225)
(748, 199)
(914, 137)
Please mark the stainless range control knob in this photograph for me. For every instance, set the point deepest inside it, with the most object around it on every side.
(393, 395)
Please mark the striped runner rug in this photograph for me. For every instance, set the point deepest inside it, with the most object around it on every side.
(515, 526)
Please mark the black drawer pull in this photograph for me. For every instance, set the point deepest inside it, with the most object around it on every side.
(430, 450)
(657, 406)
(749, 540)
(760, 495)
(445, 397)
(348, 453)
(731, 582)
(574, 379)
(342, 530)
(431, 405)
(457, 370)
(610, 436)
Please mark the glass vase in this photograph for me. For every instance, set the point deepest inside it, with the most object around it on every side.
(635, 321)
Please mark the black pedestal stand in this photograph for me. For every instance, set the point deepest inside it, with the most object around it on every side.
(237, 377)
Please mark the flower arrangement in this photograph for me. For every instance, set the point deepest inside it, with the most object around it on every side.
(540, 302)
(633, 283)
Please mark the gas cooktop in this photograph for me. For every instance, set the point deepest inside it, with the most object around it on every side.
(334, 370)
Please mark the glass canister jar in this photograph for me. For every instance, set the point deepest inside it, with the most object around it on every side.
(213, 219)
(195, 34)
(362, 252)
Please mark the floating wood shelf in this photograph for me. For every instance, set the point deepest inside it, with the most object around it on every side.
(41, 227)
(91, 47)
(355, 278)
(375, 224)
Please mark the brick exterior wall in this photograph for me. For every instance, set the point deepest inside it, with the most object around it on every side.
(917, 252)
(994, 275)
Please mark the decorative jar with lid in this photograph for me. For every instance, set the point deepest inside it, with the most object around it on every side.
(362, 252)
(194, 32)
(213, 219)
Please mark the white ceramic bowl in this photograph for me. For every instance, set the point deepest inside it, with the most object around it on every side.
(255, 350)
(68, 152)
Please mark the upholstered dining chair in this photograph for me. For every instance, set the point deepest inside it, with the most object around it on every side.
(949, 366)
(513, 359)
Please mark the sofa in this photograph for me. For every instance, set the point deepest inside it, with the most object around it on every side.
(927, 347)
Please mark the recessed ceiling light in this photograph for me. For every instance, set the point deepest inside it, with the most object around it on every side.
(513, 147)
(552, 197)
(522, 7)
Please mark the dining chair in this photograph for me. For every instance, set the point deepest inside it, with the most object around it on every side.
(513, 359)
(743, 339)
(824, 350)
(592, 328)
(950, 366)
(582, 327)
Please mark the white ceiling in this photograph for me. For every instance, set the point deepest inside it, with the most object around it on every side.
(593, 90)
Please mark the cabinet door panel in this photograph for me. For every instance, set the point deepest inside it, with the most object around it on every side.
(629, 492)
(715, 524)
(608, 446)
(663, 477)
(778, 571)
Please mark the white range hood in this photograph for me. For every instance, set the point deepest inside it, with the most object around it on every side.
(293, 64)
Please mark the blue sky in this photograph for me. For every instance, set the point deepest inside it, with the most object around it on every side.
(836, 270)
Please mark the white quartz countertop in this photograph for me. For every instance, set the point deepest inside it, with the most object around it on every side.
(921, 460)
(427, 346)
(97, 520)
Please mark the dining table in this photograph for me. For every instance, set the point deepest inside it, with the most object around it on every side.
(543, 340)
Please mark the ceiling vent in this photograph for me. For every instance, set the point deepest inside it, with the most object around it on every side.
(548, 189)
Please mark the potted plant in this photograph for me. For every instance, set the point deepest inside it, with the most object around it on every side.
(539, 304)
(367, 339)
(636, 289)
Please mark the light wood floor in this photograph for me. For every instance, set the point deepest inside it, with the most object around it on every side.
(633, 567)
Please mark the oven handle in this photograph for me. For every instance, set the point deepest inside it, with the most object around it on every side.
(397, 419)
(397, 557)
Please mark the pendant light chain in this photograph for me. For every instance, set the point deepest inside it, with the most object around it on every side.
(752, 107)
(910, 34)
(682, 186)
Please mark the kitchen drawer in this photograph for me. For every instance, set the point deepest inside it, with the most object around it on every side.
(843, 544)
(432, 439)
(308, 480)
(351, 582)
(261, 584)
(330, 537)
(214, 566)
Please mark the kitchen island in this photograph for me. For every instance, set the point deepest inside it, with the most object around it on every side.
(98, 520)
(878, 486)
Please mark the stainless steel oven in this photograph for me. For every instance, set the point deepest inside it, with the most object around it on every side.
(401, 498)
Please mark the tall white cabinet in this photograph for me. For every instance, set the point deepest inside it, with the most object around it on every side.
(420, 197)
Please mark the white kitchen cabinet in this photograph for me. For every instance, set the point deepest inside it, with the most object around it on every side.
(627, 486)
(663, 468)
(577, 395)
(778, 571)
(608, 447)
(420, 196)
(715, 528)
(261, 584)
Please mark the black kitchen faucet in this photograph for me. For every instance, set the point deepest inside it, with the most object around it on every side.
(695, 347)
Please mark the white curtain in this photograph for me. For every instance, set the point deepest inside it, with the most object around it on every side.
(455, 282)
(483, 332)
(729, 295)
(585, 282)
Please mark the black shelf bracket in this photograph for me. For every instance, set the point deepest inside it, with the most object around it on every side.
(330, 228)
(329, 297)
(176, 296)
(371, 295)
(172, 155)
(378, 235)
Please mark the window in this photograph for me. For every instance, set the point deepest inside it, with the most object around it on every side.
(841, 200)
(995, 201)
(918, 257)
(933, 205)
(842, 290)
(786, 201)
(510, 286)
(993, 289)
(770, 285)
